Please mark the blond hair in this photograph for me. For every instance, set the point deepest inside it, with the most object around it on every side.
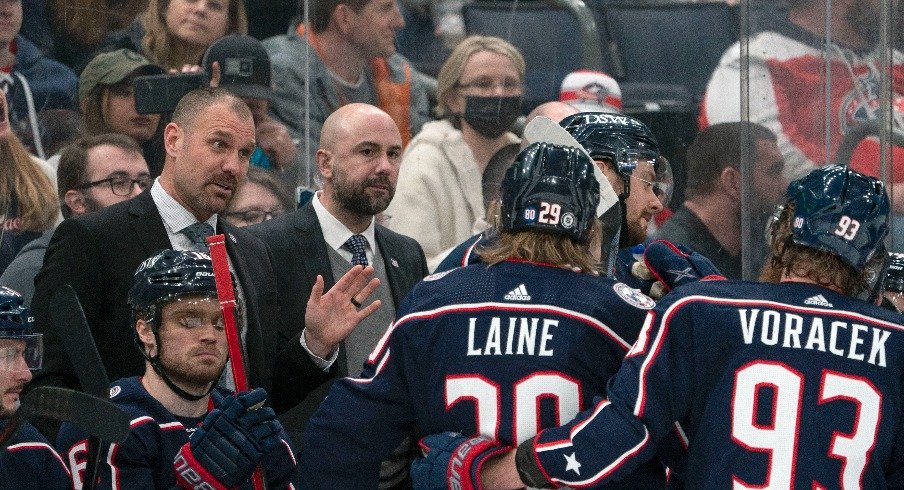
(157, 45)
(34, 192)
(454, 67)
(543, 247)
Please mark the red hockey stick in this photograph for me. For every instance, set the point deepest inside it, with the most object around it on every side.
(226, 297)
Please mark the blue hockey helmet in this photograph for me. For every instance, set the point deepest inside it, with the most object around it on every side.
(625, 142)
(840, 211)
(17, 324)
(166, 276)
(550, 188)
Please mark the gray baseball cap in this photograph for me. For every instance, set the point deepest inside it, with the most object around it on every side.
(113, 67)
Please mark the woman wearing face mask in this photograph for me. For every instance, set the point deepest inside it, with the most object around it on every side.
(439, 198)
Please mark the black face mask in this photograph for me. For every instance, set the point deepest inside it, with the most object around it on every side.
(491, 116)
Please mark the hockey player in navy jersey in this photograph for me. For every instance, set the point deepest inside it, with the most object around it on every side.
(790, 385)
(520, 342)
(27, 460)
(628, 155)
(175, 439)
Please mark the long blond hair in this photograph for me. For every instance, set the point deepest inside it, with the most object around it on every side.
(546, 248)
(158, 44)
(37, 199)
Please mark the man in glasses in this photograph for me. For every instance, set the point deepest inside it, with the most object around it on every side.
(94, 172)
(26, 459)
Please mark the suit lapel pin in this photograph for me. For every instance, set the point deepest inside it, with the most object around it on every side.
(232, 237)
(395, 263)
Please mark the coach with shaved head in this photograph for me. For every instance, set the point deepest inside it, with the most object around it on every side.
(208, 146)
(358, 160)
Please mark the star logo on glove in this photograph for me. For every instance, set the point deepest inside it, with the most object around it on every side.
(572, 463)
(682, 274)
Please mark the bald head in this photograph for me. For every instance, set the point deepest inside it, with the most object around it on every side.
(349, 119)
(554, 110)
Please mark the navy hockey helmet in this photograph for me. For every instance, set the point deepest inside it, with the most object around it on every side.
(166, 276)
(17, 323)
(550, 188)
(842, 212)
(623, 141)
(894, 278)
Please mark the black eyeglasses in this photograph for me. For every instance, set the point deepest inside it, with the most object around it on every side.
(121, 185)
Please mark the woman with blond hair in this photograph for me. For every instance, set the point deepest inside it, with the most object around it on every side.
(175, 34)
(439, 198)
(28, 199)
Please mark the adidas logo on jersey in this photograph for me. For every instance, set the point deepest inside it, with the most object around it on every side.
(818, 300)
(518, 294)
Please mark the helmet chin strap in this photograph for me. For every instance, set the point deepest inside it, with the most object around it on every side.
(158, 368)
(624, 237)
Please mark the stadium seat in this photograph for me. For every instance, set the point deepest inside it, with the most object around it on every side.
(667, 42)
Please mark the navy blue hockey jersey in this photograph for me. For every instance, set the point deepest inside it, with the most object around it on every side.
(798, 388)
(145, 458)
(30, 462)
(503, 351)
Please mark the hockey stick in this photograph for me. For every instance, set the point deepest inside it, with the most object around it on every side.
(542, 129)
(226, 297)
(78, 341)
(97, 417)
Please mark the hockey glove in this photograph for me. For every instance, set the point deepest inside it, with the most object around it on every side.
(452, 460)
(672, 265)
(230, 442)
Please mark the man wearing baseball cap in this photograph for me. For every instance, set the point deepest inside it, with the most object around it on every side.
(107, 98)
(245, 71)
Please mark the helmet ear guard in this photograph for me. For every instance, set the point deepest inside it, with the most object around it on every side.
(550, 188)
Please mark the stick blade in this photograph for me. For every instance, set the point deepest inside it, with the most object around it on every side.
(542, 129)
(98, 417)
(72, 327)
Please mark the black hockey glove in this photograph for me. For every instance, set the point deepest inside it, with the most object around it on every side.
(452, 460)
(230, 442)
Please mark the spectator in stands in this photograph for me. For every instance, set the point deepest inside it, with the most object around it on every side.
(245, 71)
(709, 220)
(107, 97)
(80, 26)
(787, 85)
(28, 205)
(175, 33)
(94, 172)
(353, 58)
(260, 198)
(58, 127)
(32, 83)
(439, 198)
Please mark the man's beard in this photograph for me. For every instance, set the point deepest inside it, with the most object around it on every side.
(354, 198)
(91, 204)
(192, 377)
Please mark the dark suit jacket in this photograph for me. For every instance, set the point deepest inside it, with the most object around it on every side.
(299, 255)
(98, 254)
